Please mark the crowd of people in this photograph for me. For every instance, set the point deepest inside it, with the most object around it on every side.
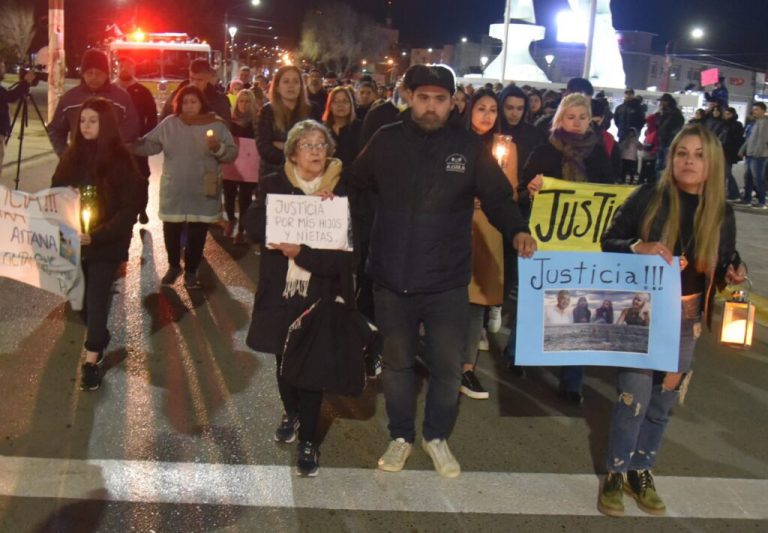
(439, 224)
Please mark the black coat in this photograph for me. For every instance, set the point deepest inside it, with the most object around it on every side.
(668, 124)
(426, 184)
(548, 160)
(272, 158)
(732, 137)
(331, 274)
(625, 229)
(629, 115)
(347, 142)
(117, 209)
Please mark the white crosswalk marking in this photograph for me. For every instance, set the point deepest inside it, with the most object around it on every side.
(361, 489)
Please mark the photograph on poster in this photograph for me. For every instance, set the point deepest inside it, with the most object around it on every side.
(596, 320)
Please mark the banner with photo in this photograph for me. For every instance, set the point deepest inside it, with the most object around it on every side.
(39, 241)
(309, 220)
(571, 216)
(601, 309)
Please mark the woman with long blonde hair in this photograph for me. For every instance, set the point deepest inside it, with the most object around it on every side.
(684, 215)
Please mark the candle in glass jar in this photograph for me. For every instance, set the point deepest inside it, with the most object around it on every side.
(500, 151)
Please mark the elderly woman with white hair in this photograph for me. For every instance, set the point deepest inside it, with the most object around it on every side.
(292, 277)
(574, 152)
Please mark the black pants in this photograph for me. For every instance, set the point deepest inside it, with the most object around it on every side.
(193, 250)
(302, 402)
(243, 191)
(98, 300)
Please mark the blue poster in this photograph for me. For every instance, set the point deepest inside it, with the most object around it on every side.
(603, 309)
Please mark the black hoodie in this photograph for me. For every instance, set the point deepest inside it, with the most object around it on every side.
(526, 136)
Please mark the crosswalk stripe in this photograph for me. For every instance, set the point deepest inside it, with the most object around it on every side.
(357, 489)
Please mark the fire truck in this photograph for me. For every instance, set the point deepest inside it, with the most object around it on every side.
(162, 59)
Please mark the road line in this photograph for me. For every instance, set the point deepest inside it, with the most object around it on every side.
(363, 489)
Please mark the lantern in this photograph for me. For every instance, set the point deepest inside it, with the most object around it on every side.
(88, 207)
(738, 320)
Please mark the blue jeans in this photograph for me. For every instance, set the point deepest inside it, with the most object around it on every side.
(730, 181)
(661, 161)
(756, 168)
(641, 413)
(445, 316)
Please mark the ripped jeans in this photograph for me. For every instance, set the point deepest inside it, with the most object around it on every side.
(641, 413)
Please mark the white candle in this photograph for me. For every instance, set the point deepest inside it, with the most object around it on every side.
(86, 219)
(209, 133)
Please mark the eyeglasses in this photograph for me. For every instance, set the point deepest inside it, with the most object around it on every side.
(308, 147)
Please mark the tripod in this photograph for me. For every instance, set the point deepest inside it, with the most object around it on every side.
(23, 109)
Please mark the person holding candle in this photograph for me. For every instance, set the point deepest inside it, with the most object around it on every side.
(574, 153)
(684, 215)
(194, 142)
(486, 289)
(97, 161)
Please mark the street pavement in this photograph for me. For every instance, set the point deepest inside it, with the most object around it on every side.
(179, 437)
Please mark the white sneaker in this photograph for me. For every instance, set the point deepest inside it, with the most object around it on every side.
(444, 461)
(494, 319)
(396, 455)
(483, 345)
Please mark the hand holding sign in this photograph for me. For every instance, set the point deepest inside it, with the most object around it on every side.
(289, 250)
(524, 244)
(654, 248)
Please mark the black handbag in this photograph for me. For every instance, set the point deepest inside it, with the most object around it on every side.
(326, 347)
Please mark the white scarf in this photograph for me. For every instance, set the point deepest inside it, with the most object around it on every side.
(297, 279)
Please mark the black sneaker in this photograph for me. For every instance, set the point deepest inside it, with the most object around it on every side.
(91, 377)
(191, 281)
(100, 358)
(373, 365)
(307, 463)
(171, 276)
(470, 386)
(286, 431)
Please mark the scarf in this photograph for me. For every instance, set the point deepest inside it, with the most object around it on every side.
(242, 119)
(297, 279)
(199, 120)
(575, 148)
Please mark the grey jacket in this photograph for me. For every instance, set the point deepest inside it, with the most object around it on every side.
(757, 142)
(67, 114)
(188, 166)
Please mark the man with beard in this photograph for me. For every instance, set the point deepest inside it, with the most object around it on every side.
(426, 172)
(146, 109)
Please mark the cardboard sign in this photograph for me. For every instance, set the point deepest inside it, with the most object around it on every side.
(709, 77)
(573, 216)
(309, 220)
(39, 241)
(602, 309)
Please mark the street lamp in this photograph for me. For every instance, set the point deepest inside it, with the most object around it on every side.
(483, 61)
(228, 30)
(669, 49)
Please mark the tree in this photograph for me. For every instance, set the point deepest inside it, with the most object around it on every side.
(17, 23)
(339, 37)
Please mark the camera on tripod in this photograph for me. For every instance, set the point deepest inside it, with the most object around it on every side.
(37, 70)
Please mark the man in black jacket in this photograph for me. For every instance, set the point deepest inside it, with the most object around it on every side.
(201, 75)
(629, 114)
(669, 121)
(146, 109)
(427, 172)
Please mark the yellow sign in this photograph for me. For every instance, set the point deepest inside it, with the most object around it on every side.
(568, 216)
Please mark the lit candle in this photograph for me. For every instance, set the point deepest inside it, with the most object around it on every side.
(500, 151)
(86, 219)
(209, 133)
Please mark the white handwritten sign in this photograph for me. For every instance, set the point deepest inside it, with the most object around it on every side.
(309, 220)
(39, 241)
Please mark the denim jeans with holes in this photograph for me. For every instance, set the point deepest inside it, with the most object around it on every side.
(641, 412)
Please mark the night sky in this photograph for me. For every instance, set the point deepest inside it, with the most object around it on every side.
(736, 30)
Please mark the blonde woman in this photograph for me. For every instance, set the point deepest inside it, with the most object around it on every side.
(242, 175)
(574, 153)
(684, 215)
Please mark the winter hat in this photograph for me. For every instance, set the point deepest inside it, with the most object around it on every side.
(94, 59)
(437, 75)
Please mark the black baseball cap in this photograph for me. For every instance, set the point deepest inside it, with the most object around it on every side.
(437, 75)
